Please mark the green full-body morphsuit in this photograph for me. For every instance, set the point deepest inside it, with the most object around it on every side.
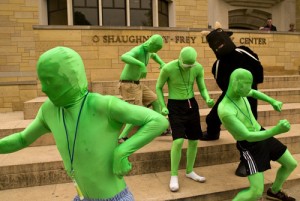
(256, 145)
(135, 69)
(85, 127)
(183, 111)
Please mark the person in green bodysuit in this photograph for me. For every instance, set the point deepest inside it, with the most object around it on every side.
(257, 146)
(85, 127)
(182, 109)
(136, 61)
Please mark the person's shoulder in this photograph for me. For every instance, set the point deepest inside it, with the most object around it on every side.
(97, 100)
(246, 51)
(224, 109)
(48, 105)
(106, 103)
(170, 66)
(243, 47)
(100, 97)
(198, 67)
(47, 110)
(173, 62)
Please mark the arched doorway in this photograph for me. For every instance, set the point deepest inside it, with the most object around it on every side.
(249, 19)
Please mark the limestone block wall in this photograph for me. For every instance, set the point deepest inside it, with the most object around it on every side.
(22, 40)
(192, 13)
(101, 49)
(17, 53)
(277, 51)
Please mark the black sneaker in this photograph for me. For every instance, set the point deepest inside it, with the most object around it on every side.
(208, 137)
(282, 196)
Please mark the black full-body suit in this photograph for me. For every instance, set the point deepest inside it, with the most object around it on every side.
(229, 58)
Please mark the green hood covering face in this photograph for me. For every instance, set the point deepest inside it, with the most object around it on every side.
(187, 57)
(62, 75)
(154, 43)
(241, 82)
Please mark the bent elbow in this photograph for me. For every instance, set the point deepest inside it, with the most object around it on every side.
(124, 57)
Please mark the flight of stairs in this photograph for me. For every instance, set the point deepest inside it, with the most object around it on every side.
(38, 169)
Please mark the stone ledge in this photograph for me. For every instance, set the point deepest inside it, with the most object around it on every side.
(12, 83)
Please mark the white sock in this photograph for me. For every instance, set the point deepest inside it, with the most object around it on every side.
(174, 185)
(196, 177)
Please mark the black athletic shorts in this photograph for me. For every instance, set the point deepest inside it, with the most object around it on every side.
(257, 155)
(184, 121)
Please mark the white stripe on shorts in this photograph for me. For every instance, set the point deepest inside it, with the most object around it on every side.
(251, 163)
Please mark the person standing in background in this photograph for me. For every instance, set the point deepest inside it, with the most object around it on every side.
(292, 28)
(269, 26)
(183, 109)
(135, 69)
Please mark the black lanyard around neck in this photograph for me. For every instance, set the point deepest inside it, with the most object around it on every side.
(186, 85)
(247, 116)
(71, 155)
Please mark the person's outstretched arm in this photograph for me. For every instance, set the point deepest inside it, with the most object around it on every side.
(20, 140)
(240, 132)
(151, 124)
(277, 105)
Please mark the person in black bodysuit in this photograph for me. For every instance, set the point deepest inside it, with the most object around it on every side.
(229, 58)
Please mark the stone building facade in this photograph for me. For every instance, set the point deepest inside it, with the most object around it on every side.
(26, 32)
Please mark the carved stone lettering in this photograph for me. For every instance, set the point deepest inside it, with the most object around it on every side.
(141, 39)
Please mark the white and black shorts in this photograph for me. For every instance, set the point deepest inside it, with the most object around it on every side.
(257, 155)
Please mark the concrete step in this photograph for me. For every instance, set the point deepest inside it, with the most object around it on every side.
(286, 95)
(266, 116)
(280, 81)
(32, 107)
(270, 82)
(221, 185)
(285, 88)
(42, 165)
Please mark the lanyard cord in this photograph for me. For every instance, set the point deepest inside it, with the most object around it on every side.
(71, 155)
(248, 117)
(186, 85)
